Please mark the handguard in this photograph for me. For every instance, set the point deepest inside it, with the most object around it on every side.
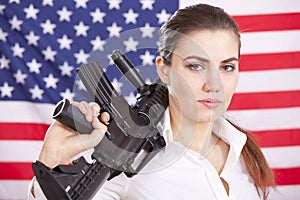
(131, 141)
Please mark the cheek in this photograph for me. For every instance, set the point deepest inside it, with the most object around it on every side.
(229, 89)
(183, 86)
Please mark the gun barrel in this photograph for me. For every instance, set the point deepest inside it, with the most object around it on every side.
(127, 68)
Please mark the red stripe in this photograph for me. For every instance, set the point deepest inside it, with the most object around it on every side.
(270, 61)
(277, 138)
(23, 171)
(16, 171)
(265, 100)
(288, 176)
(22, 131)
(268, 22)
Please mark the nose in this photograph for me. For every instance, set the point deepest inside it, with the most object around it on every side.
(212, 82)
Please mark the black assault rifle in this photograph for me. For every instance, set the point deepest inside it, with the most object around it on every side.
(131, 141)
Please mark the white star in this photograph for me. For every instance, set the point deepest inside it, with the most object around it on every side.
(147, 58)
(6, 90)
(36, 92)
(117, 85)
(114, 30)
(34, 66)
(130, 16)
(147, 31)
(81, 3)
(18, 50)
(16, 1)
(65, 42)
(98, 44)
(49, 54)
(66, 69)
(47, 2)
(67, 94)
(48, 27)
(80, 85)
(111, 62)
(147, 4)
(15, 23)
(31, 12)
(97, 15)
(81, 29)
(81, 57)
(3, 35)
(64, 14)
(148, 81)
(2, 7)
(51, 81)
(131, 44)
(114, 4)
(4, 62)
(131, 99)
(163, 16)
(20, 78)
(32, 38)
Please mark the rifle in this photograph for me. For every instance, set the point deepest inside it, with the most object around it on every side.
(131, 141)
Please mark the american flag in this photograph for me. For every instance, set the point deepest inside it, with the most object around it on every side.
(43, 42)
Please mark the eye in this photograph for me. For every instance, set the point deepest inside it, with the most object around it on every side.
(195, 67)
(228, 68)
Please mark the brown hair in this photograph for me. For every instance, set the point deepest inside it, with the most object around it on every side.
(206, 17)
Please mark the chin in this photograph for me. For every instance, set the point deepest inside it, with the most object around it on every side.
(205, 116)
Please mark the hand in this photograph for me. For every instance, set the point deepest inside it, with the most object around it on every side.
(62, 143)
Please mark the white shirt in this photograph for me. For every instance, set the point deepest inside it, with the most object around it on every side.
(180, 173)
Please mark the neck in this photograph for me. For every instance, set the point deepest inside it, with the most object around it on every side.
(195, 135)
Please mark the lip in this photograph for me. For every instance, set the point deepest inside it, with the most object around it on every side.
(210, 103)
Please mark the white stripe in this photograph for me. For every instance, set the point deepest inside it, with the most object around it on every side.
(22, 111)
(270, 41)
(286, 192)
(28, 151)
(269, 80)
(14, 190)
(266, 119)
(19, 151)
(234, 7)
(281, 157)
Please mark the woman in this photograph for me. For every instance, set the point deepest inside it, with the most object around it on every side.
(207, 157)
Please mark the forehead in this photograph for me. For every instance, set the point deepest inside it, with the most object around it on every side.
(209, 44)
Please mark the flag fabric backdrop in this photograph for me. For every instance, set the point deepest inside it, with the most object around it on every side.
(43, 42)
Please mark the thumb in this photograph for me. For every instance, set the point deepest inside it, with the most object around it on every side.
(91, 140)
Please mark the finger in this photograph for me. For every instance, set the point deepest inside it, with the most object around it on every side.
(95, 108)
(85, 108)
(98, 125)
(81, 106)
(105, 117)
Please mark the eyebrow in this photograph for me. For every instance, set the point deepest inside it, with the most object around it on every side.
(197, 58)
(207, 60)
(230, 59)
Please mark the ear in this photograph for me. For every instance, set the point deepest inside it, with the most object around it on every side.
(162, 70)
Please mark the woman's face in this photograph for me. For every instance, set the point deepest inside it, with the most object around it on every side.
(203, 74)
